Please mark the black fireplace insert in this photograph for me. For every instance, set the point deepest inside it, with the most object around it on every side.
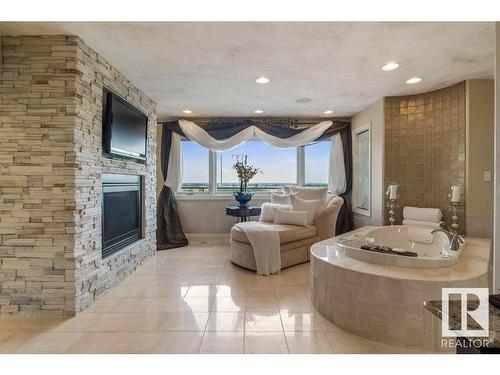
(121, 212)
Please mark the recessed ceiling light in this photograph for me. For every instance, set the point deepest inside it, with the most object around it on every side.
(303, 100)
(187, 111)
(413, 80)
(328, 112)
(390, 66)
(258, 111)
(262, 80)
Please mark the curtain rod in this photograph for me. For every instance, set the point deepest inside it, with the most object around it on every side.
(301, 120)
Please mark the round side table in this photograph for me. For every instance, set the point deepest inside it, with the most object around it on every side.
(243, 213)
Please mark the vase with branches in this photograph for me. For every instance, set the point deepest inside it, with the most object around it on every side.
(245, 173)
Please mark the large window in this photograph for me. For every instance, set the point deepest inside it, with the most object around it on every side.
(207, 172)
(317, 163)
(279, 167)
(195, 167)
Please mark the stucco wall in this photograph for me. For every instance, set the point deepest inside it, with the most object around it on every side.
(373, 114)
(480, 156)
(496, 241)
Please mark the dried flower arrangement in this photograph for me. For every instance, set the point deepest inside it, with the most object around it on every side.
(245, 171)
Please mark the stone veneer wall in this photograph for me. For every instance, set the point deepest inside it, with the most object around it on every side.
(37, 155)
(51, 163)
(425, 147)
(94, 275)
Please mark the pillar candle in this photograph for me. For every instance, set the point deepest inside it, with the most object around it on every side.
(392, 191)
(456, 192)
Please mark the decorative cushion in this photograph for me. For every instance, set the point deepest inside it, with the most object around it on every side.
(308, 193)
(287, 233)
(299, 218)
(280, 198)
(311, 206)
(267, 212)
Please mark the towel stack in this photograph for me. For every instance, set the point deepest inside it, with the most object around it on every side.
(429, 217)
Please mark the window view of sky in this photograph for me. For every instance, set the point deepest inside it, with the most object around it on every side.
(316, 160)
(278, 165)
(194, 163)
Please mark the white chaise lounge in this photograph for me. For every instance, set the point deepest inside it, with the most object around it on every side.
(295, 241)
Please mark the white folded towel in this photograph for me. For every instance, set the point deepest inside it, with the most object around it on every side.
(421, 223)
(432, 215)
(265, 241)
(420, 235)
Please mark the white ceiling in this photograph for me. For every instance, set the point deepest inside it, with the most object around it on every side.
(211, 68)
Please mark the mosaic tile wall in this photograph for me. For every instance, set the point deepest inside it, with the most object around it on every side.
(425, 147)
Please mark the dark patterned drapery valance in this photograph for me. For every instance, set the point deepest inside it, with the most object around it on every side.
(225, 127)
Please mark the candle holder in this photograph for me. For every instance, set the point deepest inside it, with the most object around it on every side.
(454, 207)
(392, 204)
(455, 197)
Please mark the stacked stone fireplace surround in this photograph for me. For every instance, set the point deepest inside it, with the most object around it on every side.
(51, 164)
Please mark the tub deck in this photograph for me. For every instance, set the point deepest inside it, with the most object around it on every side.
(383, 302)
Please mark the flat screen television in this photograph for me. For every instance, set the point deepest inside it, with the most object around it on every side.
(124, 128)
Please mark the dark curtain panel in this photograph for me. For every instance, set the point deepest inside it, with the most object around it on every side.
(344, 222)
(223, 128)
(169, 233)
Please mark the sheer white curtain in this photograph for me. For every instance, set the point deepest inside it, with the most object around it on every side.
(337, 176)
(174, 175)
(196, 133)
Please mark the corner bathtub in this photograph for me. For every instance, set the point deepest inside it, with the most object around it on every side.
(380, 296)
(434, 254)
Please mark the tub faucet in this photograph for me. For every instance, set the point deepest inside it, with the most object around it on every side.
(445, 225)
(453, 237)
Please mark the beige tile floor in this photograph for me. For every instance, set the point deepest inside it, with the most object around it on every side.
(192, 300)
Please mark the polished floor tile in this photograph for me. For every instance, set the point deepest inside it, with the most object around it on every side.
(93, 343)
(229, 304)
(300, 321)
(192, 300)
(262, 322)
(15, 341)
(185, 322)
(261, 303)
(202, 291)
(265, 343)
(179, 343)
(307, 343)
(85, 322)
(51, 343)
(295, 303)
(222, 343)
(230, 291)
(129, 322)
(226, 322)
(196, 304)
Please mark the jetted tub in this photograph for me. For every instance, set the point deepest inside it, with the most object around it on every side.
(380, 296)
(432, 249)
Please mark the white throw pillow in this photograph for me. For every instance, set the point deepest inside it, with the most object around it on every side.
(280, 198)
(311, 206)
(291, 217)
(308, 193)
(267, 212)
